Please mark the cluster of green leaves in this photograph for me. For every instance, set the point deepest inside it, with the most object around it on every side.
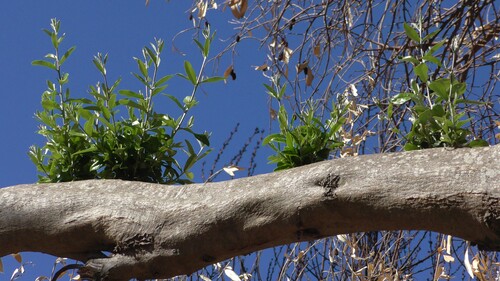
(436, 118)
(92, 139)
(305, 138)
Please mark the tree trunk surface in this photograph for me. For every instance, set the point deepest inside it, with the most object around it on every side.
(158, 231)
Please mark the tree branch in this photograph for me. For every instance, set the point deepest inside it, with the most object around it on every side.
(157, 231)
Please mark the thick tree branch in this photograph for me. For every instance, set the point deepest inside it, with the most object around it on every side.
(158, 231)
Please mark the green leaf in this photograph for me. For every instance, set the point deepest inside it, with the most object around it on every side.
(66, 55)
(99, 65)
(90, 149)
(430, 35)
(271, 91)
(478, 143)
(431, 58)
(50, 105)
(92, 107)
(466, 101)
(189, 102)
(206, 46)
(410, 59)
(200, 46)
(273, 138)
(105, 111)
(44, 63)
(81, 101)
(203, 139)
(283, 118)
(109, 126)
(143, 80)
(390, 110)
(410, 146)
(142, 67)
(64, 79)
(412, 33)
(84, 113)
(282, 91)
(434, 48)
(88, 127)
(402, 98)
(152, 55)
(337, 125)
(163, 80)
(213, 79)
(458, 88)
(131, 103)
(441, 87)
(421, 71)
(55, 41)
(190, 148)
(130, 94)
(35, 155)
(176, 101)
(189, 175)
(158, 90)
(190, 72)
(438, 111)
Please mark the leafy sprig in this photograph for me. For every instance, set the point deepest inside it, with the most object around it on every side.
(88, 138)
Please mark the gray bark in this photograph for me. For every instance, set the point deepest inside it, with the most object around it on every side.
(156, 231)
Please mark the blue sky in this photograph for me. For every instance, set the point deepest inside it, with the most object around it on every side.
(120, 29)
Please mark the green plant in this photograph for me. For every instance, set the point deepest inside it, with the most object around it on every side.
(92, 139)
(305, 138)
(435, 109)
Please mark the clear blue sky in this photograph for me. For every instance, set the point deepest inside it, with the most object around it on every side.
(121, 29)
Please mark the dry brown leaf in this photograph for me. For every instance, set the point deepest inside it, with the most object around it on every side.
(18, 257)
(273, 114)
(202, 8)
(448, 258)
(497, 136)
(357, 139)
(302, 67)
(448, 244)
(228, 71)
(231, 169)
(467, 264)
(262, 67)
(439, 271)
(300, 256)
(244, 7)
(238, 8)
(348, 151)
(287, 53)
(316, 50)
(204, 278)
(309, 78)
(343, 238)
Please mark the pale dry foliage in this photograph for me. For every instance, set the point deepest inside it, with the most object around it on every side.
(351, 49)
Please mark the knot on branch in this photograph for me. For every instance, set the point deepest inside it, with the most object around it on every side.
(492, 220)
(329, 183)
(134, 244)
(308, 233)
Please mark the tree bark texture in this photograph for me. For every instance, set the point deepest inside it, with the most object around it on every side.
(157, 231)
